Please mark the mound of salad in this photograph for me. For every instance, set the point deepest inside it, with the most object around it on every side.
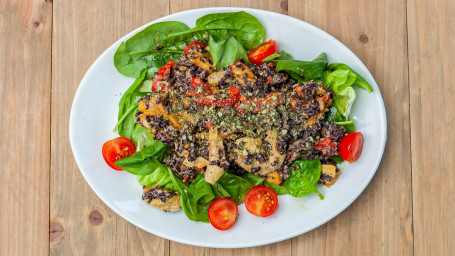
(217, 116)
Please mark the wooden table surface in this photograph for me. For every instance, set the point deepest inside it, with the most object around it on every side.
(46, 207)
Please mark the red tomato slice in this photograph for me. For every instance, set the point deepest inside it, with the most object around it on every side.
(117, 149)
(264, 50)
(222, 213)
(351, 146)
(261, 201)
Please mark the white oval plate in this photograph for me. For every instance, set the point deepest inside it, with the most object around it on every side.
(94, 114)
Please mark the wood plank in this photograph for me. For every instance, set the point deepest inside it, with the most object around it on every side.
(379, 222)
(431, 76)
(80, 222)
(25, 81)
(277, 249)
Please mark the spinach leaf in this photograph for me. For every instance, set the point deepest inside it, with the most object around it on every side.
(190, 206)
(278, 56)
(139, 52)
(143, 167)
(216, 50)
(337, 159)
(244, 27)
(279, 190)
(232, 51)
(236, 187)
(201, 191)
(128, 109)
(299, 70)
(220, 191)
(155, 149)
(143, 162)
(304, 176)
(252, 179)
(195, 199)
(158, 177)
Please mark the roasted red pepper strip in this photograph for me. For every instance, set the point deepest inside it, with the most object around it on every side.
(233, 98)
(195, 43)
(199, 169)
(195, 82)
(326, 142)
(205, 101)
(221, 103)
(256, 104)
(209, 124)
(165, 70)
(155, 84)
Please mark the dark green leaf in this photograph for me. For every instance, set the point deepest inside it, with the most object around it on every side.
(279, 190)
(299, 70)
(155, 149)
(143, 162)
(252, 179)
(138, 53)
(307, 70)
(216, 50)
(244, 27)
(237, 186)
(232, 51)
(219, 191)
(337, 159)
(201, 191)
(127, 109)
(302, 180)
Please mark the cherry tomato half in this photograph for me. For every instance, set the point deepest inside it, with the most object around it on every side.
(117, 149)
(264, 50)
(351, 146)
(222, 213)
(261, 201)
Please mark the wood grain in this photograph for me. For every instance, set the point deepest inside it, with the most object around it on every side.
(25, 83)
(431, 76)
(80, 223)
(380, 221)
(48, 208)
(277, 249)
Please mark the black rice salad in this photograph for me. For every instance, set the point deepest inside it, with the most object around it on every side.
(243, 118)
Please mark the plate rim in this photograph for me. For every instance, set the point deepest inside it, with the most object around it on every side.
(382, 115)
